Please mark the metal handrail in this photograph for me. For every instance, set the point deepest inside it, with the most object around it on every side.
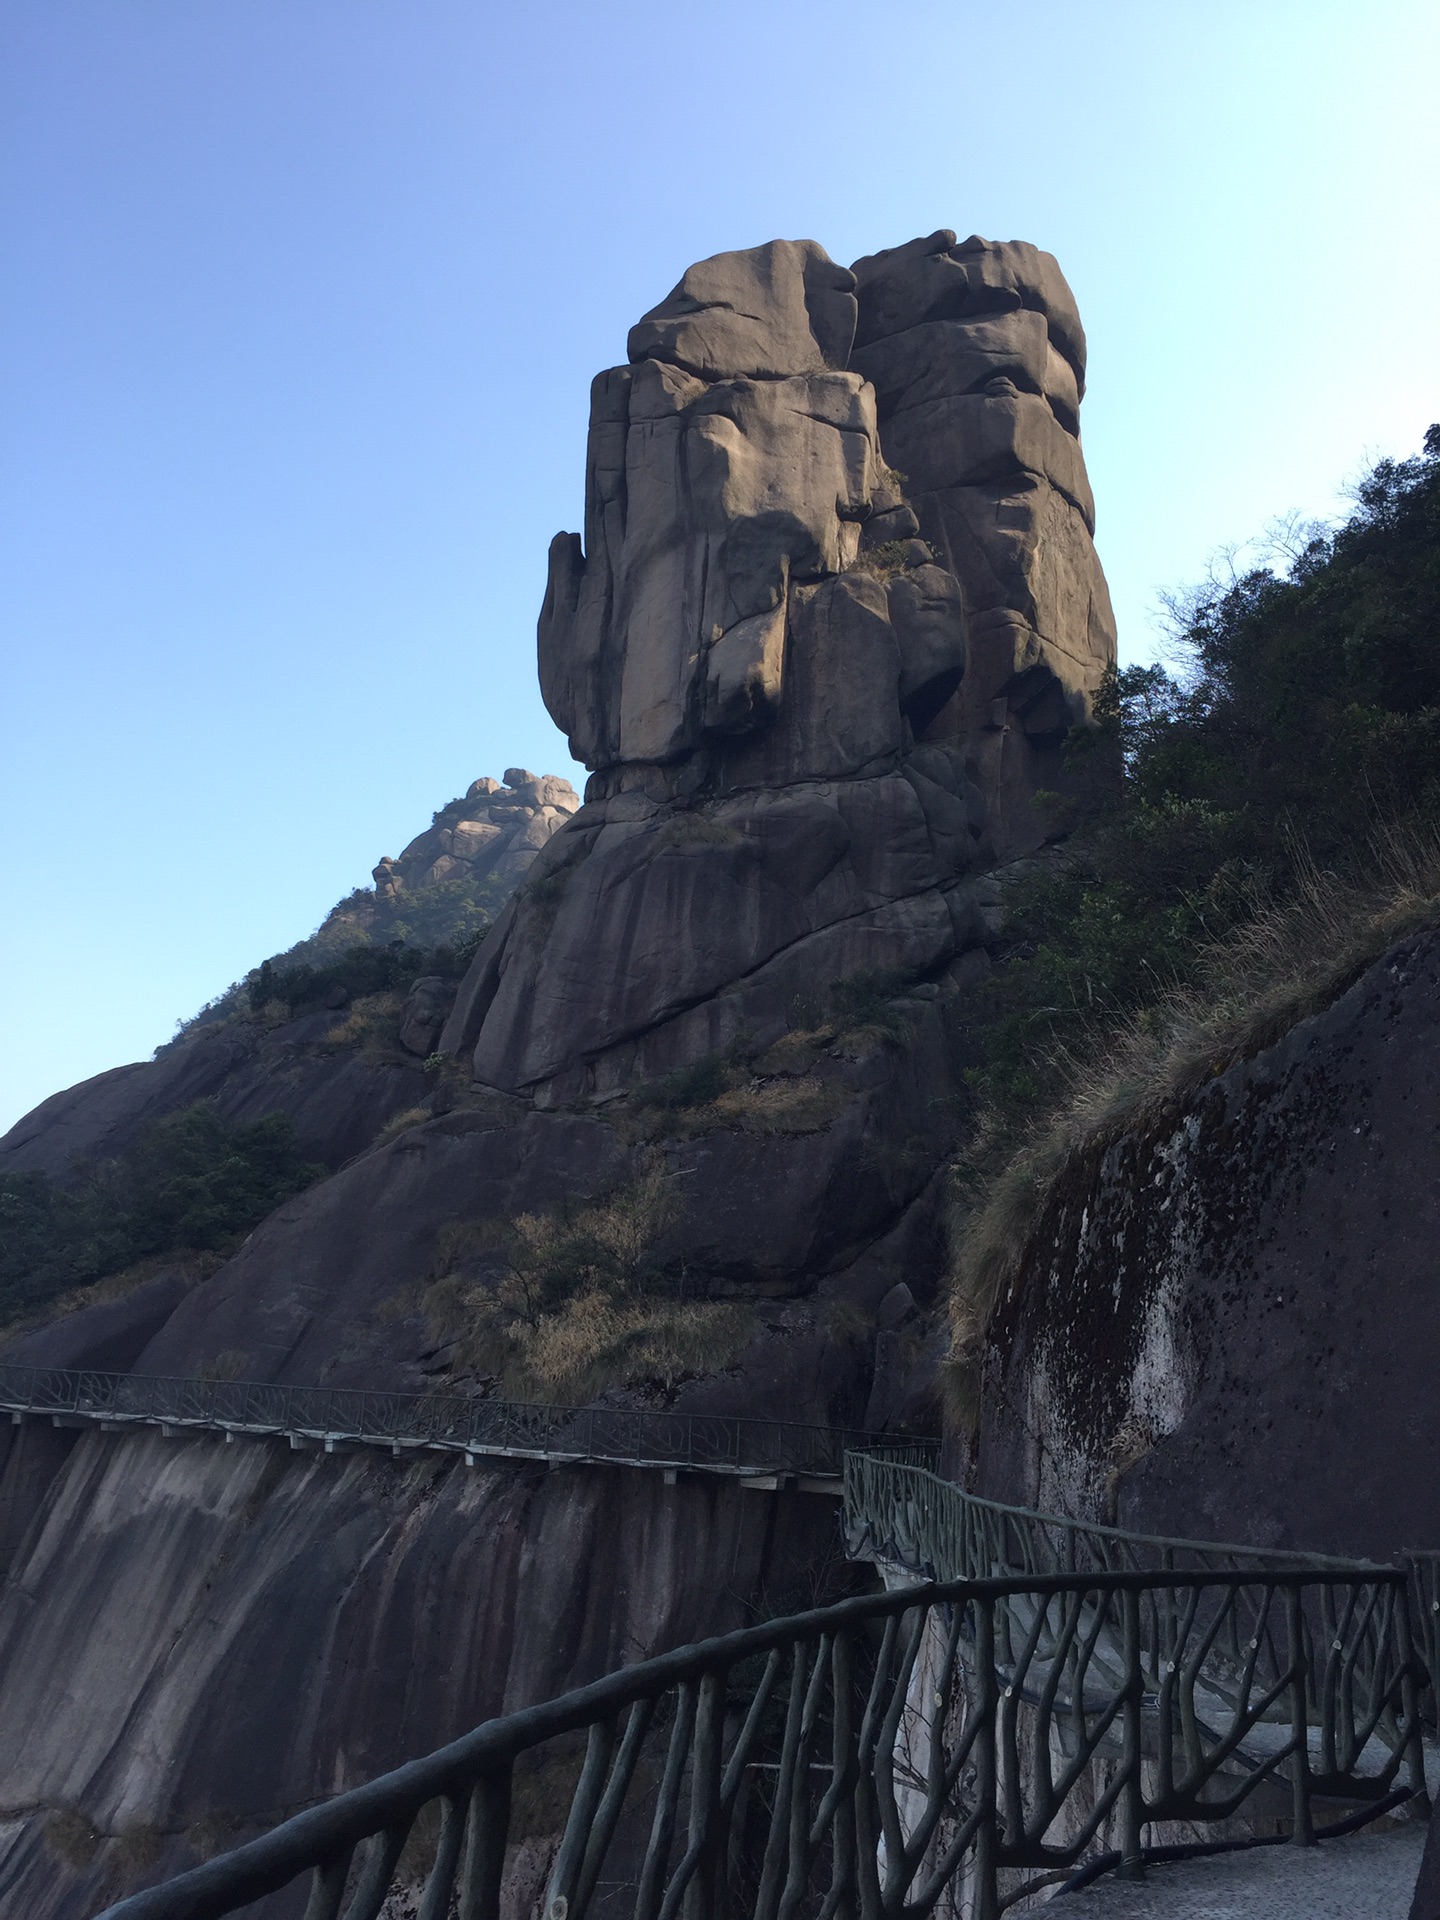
(707, 1443)
(871, 1757)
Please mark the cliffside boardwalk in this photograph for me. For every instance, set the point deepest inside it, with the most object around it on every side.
(338, 1419)
(966, 1741)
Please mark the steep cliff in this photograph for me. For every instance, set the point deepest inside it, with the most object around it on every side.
(1224, 1323)
(835, 611)
(818, 692)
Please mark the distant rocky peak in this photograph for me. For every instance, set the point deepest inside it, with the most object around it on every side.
(494, 830)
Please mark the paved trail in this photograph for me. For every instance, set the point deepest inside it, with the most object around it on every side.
(1369, 1877)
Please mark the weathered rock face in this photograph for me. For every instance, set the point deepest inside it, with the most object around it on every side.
(814, 732)
(494, 830)
(977, 358)
(198, 1639)
(1227, 1323)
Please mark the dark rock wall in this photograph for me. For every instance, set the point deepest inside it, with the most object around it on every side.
(1228, 1325)
(197, 1639)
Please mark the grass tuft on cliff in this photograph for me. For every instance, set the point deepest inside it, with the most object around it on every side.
(560, 1306)
(1241, 837)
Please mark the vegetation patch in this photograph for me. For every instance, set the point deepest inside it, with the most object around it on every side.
(570, 1302)
(720, 1090)
(372, 1023)
(698, 1085)
(1243, 837)
(191, 1183)
(399, 1123)
(688, 828)
(853, 1013)
(885, 558)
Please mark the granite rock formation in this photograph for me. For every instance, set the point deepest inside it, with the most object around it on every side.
(493, 831)
(835, 609)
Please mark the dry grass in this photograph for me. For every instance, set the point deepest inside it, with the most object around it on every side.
(1288, 964)
(399, 1123)
(788, 1104)
(802, 1105)
(596, 1341)
(373, 1021)
(571, 1302)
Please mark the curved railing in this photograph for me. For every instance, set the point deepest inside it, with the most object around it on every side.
(971, 1742)
(898, 1510)
(341, 1416)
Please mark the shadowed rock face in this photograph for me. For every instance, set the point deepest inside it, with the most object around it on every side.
(200, 1639)
(813, 730)
(1227, 1320)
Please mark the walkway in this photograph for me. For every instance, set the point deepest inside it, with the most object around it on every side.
(1366, 1877)
(759, 1453)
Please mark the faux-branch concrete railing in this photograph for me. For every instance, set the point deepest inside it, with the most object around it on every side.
(862, 1761)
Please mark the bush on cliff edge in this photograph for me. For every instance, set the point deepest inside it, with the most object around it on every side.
(191, 1182)
(1240, 837)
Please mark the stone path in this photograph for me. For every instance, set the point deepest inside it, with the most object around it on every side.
(1367, 1877)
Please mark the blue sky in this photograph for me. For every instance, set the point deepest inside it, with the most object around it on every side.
(299, 305)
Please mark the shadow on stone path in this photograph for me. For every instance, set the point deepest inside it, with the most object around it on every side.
(1367, 1877)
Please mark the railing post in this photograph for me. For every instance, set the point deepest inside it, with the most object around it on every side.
(702, 1896)
(986, 1886)
(435, 1904)
(1132, 1793)
(327, 1886)
(485, 1838)
(1410, 1694)
(1304, 1833)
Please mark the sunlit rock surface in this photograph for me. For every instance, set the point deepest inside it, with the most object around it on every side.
(835, 608)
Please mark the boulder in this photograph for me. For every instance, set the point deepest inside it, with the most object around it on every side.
(784, 308)
(423, 1016)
